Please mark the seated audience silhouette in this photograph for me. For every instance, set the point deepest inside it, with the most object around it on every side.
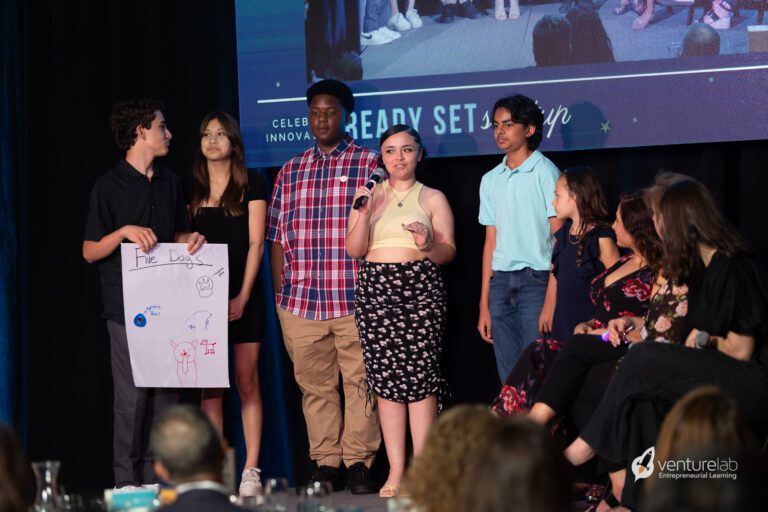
(552, 41)
(438, 478)
(17, 486)
(590, 43)
(190, 456)
(519, 467)
(701, 40)
(702, 425)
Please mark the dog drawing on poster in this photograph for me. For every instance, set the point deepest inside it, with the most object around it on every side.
(184, 348)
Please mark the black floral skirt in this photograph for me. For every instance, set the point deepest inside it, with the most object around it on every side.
(400, 312)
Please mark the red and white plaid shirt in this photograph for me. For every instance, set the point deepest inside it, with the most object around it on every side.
(308, 217)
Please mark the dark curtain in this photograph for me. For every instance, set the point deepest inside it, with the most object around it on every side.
(13, 167)
(82, 58)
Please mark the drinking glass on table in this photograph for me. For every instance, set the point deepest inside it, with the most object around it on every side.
(275, 495)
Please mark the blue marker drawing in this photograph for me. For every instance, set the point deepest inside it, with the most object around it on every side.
(139, 320)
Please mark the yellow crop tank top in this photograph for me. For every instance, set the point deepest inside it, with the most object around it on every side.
(386, 229)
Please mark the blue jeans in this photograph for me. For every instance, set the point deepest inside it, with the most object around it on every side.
(516, 299)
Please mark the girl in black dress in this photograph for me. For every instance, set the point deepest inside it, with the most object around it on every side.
(584, 247)
(727, 309)
(585, 365)
(228, 204)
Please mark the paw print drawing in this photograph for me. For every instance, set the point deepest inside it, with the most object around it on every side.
(204, 286)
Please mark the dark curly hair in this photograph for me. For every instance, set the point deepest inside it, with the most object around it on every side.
(637, 217)
(583, 183)
(129, 114)
(524, 111)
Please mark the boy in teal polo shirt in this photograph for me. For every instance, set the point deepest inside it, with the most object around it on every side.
(516, 209)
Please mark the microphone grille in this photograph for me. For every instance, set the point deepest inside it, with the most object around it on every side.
(379, 174)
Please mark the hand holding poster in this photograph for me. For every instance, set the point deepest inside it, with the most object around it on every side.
(176, 315)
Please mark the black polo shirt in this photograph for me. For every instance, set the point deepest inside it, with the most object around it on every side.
(123, 196)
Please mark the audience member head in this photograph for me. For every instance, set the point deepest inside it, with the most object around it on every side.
(129, 115)
(634, 218)
(590, 43)
(437, 479)
(17, 485)
(552, 41)
(220, 141)
(347, 67)
(186, 446)
(518, 468)
(703, 420)
(747, 491)
(701, 40)
(688, 220)
(706, 424)
(523, 110)
(330, 104)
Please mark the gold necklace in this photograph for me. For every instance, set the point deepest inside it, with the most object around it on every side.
(400, 201)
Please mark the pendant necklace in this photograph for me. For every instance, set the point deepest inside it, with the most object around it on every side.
(400, 201)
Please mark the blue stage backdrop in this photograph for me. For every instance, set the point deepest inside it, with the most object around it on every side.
(11, 163)
(443, 79)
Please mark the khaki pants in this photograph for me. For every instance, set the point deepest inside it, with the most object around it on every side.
(320, 349)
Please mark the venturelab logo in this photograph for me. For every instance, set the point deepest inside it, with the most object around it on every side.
(687, 468)
(642, 466)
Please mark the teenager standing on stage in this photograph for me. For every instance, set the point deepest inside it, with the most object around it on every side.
(228, 205)
(516, 210)
(142, 202)
(404, 232)
(315, 286)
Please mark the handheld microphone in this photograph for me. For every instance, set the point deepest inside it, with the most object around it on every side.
(378, 175)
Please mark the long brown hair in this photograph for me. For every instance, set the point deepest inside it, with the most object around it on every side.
(637, 217)
(703, 420)
(238, 180)
(438, 477)
(17, 486)
(519, 467)
(583, 183)
(689, 217)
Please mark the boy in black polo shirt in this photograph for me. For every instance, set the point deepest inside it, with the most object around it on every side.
(141, 202)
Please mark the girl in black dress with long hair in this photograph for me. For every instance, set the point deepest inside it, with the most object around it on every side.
(228, 204)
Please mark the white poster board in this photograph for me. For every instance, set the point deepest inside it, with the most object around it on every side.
(176, 315)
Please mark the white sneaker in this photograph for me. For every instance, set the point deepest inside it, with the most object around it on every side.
(413, 18)
(127, 488)
(250, 484)
(388, 32)
(374, 38)
(152, 487)
(399, 23)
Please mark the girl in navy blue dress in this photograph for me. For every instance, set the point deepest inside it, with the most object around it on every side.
(584, 247)
(228, 205)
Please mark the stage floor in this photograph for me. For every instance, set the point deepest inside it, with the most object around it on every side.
(487, 44)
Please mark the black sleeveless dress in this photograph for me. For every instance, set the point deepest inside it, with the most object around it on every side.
(219, 228)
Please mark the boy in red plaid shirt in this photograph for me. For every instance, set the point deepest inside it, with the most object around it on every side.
(315, 284)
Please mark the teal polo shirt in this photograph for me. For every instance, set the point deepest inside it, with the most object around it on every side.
(519, 203)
